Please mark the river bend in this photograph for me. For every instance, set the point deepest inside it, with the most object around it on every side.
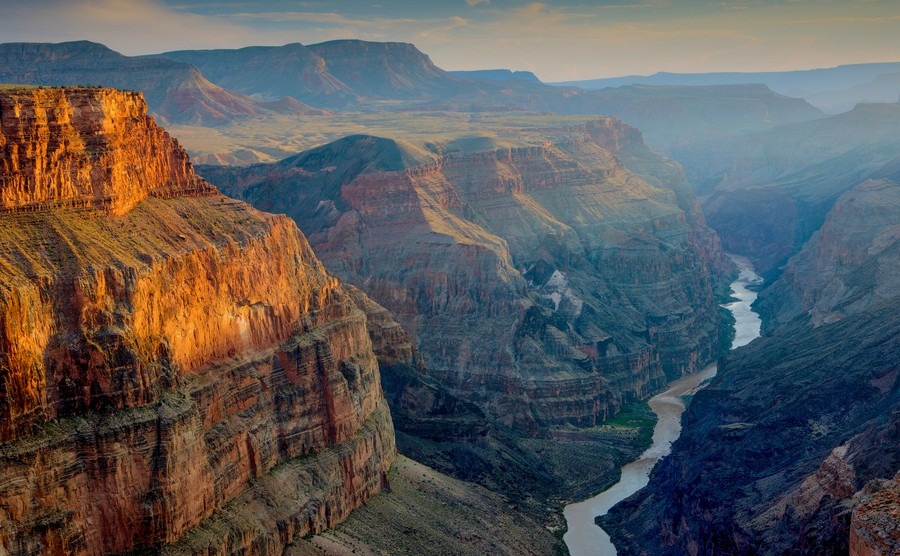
(584, 537)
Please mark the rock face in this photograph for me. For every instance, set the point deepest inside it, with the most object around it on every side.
(851, 263)
(800, 429)
(86, 147)
(544, 284)
(775, 448)
(873, 529)
(177, 371)
(176, 92)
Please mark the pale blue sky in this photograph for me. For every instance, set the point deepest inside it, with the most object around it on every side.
(558, 40)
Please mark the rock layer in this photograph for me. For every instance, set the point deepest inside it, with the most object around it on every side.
(86, 147)
(181, 374)
(544, 284)
(775, 448)
(851, 263)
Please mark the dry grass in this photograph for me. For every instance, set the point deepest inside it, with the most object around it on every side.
(428, 513)
(275, 138)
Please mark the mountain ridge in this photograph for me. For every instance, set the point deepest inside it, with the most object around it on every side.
(175, 91)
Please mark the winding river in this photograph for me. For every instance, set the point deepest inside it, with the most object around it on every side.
(584, 538)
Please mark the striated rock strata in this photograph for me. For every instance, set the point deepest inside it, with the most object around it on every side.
(177, 370)
(86, 147)
(543, 284)
(775, 449)
(851, 263)
(784, 452)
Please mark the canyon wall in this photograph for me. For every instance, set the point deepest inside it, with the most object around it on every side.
(793, 447)
(86, 147)
(851, 263)
(177, 370)
(777, 451)
(769, 192)
(544, 284)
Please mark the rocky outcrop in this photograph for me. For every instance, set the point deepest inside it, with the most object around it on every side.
(544, 284)
(851, 263)
(86, 147)
(775, 449)
(873, 528)
(176, 92)
(182, 374)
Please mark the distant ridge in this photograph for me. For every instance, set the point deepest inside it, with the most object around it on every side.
(498, 75)
(329, 74)
(175, 91)
(834, 89)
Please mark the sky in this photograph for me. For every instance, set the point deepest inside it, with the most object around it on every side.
(557, 40)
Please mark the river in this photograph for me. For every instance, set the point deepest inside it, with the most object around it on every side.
(584, 537)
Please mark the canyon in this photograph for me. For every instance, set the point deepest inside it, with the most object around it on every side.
(546, 285)
(177, 370)
(799, 430)
(474, 270)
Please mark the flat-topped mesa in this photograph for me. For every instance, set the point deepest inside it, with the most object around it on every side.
(86, 147)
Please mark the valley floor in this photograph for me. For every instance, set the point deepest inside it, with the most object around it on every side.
(429, 513)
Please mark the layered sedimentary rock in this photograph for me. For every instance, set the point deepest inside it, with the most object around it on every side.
(544, 284)
(785, 450)
(86, 147)
(177, 370)
(851, 263)
(775, 449)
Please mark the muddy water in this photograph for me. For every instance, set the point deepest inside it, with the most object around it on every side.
(584, 538)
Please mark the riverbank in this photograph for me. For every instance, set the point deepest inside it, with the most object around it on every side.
(584, 537)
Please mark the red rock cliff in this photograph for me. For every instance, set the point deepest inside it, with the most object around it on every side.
(94, 147)
(545, 284)
(183, 370)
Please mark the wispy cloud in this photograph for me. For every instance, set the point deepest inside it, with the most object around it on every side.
(558, 39)
(130, 26)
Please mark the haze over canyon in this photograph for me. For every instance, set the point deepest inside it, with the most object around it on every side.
(330, 298)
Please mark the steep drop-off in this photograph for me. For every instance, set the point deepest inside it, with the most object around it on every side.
(769, 193)
(177, 370)
(793, 446)
(775, 449)
(851, 263)
(546, 284)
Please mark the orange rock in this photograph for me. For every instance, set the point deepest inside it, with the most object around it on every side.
(169, 363)
(86, 147)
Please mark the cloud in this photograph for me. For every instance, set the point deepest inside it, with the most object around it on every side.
(129, 26)
(558, 38)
